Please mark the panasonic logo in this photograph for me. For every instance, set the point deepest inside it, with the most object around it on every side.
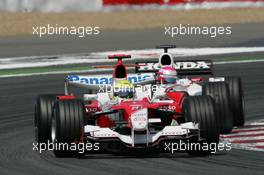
(89, 80)
(94, 80)
(178, 65)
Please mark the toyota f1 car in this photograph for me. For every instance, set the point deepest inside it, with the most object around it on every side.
(128, 122)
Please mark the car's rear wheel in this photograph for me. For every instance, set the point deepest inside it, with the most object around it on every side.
(236, 100)
(220, 93)
(67, 126)
(201, 110)
(42, 118)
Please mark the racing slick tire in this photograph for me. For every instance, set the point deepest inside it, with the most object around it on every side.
(220, 93)
(42, 117)
(236, 100)
(201, 110)
(67, 126)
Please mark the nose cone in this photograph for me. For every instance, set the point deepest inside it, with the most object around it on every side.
(139, 120)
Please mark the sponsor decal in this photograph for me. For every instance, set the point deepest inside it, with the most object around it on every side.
(174, 132)
(104, 79)
(89, 110)
(188, 65)
(90, 79)
(139, 119)
(218, 79)
(169, 108)
(136, 107)
(104, 135)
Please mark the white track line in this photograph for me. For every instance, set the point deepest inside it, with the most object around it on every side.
(186, 51)
(255, 123)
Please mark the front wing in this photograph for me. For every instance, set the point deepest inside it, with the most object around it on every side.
(147, 139)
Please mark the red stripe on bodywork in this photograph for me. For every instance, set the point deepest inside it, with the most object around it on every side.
(66, 97)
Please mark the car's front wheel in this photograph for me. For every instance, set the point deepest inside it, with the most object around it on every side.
(42, 117)
(201, 110)
(67, 125)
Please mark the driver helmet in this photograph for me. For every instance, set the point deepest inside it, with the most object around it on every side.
(167, 75)
(123, 89)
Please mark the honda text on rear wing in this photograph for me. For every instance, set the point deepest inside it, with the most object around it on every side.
(183, 67)
(195, 67)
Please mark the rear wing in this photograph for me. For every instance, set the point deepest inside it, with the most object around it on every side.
(119, 56)
(190, 67)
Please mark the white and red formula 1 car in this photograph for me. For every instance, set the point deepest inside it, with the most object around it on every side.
(128, 122)
(193, 79)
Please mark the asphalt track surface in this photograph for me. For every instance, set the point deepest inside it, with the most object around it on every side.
(242, 35)
(16, 134)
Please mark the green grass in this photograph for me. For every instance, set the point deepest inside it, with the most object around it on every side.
(43, 70)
